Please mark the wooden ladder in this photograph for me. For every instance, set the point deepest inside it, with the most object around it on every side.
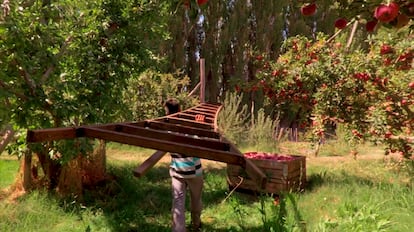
(191, 132)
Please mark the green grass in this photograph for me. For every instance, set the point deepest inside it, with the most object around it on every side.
(342, 194)
(8, 170)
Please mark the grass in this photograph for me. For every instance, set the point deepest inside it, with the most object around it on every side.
(342, 194)
(8, 169)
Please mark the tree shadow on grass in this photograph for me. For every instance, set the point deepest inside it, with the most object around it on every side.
(144, 204)
(133, 204)
(315, 180)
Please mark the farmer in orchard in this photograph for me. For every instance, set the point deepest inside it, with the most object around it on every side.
(186, 172)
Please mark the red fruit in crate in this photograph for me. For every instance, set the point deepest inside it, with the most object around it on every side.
(386, 49)
(370, 26)
(340, 23)
(386, 12)
(411, 85)
(308, 9)
(201, 2)
(388, 134)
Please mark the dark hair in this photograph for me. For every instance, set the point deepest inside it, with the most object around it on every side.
(172, 106)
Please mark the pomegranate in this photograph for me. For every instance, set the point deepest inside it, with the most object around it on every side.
(370, 26)
(386, 12)
(201, 2)
(340, 23)
(308, 9)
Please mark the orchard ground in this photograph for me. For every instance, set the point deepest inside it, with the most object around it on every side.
(343, 194)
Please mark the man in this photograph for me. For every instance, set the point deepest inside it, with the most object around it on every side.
(186, 172)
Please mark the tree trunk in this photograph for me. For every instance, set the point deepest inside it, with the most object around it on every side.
(69, 179)
(51, 169)
(93, 165)
(84, 171)
(7, 136)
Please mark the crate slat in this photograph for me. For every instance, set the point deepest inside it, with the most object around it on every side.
(282, 176)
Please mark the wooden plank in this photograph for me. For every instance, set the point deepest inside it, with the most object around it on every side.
(254, 172)
(156, 144)
(173, 137)
(202, 80)
(209, 105)
(197, 106)
(179, 129)
(186, 122)
(192, 117)
(273, 187)
(272, 176)
(206, 110)
(273, 164)
(51, 134)
(148, 163)
(200, 111)
(281, 175)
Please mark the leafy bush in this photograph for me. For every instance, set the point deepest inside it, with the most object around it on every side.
(233, 117)
(145, 95)
(262, 130)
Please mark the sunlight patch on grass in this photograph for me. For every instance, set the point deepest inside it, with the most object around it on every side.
(9, 167)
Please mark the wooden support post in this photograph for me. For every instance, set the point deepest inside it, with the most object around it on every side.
(351, 36)
(195, 89)
(148, 163)
(26, 170)
(202, 81)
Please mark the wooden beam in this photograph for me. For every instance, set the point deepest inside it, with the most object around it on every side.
(179, 129)
(192, 117)
(209, 114)
(202, 80)
(201, 111)
(195, 89)
(207, 108)
(191, 123)
(156, 144)
(209, 105)
(252, 170)
(172, 137)
(44, 135)
(148, 163)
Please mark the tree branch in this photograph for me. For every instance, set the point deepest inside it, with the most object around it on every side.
(51, 68)
(10, 90)
(29, 81)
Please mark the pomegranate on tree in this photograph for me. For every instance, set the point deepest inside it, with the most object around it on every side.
(308, 9)
(201, 2)
(340, 23)
(370, 26)
(386, 12)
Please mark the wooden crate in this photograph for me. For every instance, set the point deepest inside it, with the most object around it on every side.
(282, 175)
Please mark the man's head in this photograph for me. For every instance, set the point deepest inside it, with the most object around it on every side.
(172, 106)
